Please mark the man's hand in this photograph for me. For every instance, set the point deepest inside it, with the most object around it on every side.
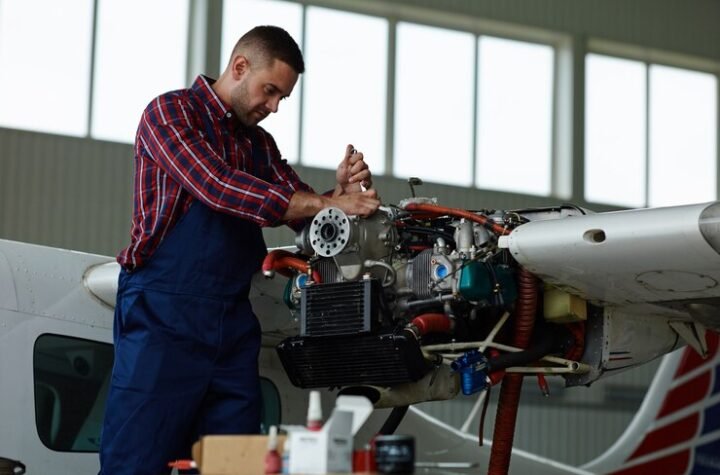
(363, 203)
(353, 174)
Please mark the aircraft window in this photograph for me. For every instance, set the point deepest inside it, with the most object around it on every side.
(71, 378)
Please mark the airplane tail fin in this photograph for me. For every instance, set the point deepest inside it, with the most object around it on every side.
(677, 428)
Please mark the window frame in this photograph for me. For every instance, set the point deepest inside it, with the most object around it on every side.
(648, 57)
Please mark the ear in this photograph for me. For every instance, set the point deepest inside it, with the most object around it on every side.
(239, 66)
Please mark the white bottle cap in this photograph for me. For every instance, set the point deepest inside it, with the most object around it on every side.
(314, 413)
(272, 438)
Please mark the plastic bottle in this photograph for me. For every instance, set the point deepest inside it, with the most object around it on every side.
(273, 462)
(314, 414)
(286, 457)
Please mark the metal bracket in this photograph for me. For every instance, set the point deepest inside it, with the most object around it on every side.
(694, 335)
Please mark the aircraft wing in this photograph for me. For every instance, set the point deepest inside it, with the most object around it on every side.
(665, 256)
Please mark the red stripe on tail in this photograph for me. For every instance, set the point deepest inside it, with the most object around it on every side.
(686, 394)
(676, 463)
(675, 433)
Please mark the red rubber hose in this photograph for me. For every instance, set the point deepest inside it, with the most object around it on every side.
(512, 382)
(432, 323)
(281, 261)
(460, 213)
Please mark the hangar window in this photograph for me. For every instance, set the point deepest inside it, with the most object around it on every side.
(240, 16)
(650, 133)
(434, 91)
(45, 65)
(344, 87)
(140, 51)
(515, 115)
(615, 105)
(683, 136)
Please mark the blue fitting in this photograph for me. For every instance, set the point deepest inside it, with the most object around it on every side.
(301, 280)
(472, 367)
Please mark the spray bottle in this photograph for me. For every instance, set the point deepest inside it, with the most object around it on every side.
(314, 414)
(273, 462)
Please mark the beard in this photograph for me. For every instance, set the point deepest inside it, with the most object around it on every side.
(240, 103)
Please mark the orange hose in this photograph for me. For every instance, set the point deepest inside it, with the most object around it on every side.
(269, 261)
(460, 213)
(297, 264)
(282, 261)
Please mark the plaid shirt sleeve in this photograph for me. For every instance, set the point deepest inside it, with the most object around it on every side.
(170, 137)
(281, 172)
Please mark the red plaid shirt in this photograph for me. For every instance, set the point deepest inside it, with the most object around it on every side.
(188, 147)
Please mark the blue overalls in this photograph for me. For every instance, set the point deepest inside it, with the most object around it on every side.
(186, 345)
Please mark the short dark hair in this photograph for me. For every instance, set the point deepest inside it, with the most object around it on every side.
(270, 43)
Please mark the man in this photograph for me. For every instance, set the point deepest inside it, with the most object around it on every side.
(207, 178)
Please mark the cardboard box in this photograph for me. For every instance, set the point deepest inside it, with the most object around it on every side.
(329, 450)
(232, 454)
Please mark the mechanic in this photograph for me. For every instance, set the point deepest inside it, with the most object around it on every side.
(206, 179)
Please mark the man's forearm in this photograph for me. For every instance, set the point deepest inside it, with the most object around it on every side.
(304, 205)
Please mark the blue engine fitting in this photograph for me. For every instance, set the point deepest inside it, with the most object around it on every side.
(472, 367)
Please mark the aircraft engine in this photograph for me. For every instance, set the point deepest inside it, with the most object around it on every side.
(420, 301)
(390, 304)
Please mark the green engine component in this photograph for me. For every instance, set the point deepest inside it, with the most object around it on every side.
(475, 281)
(287, 294)
(507, 281)
(479, 281)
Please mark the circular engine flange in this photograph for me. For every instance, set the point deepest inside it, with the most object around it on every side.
(330, 232)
